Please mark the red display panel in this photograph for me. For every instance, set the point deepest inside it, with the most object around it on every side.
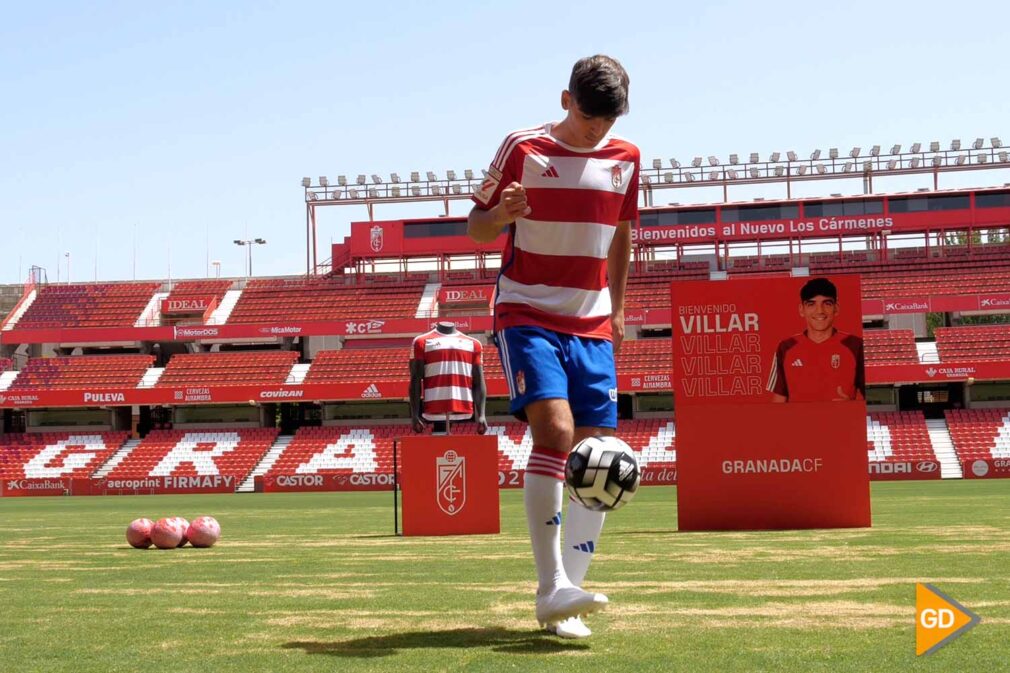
(987, 468)
(771, 419)
(450, 485)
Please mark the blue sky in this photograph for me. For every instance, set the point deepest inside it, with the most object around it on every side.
(187, 125)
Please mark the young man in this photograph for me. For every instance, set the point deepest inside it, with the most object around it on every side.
(568, 193)
(821, 364)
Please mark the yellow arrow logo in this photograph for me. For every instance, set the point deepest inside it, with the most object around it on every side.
(939, 619)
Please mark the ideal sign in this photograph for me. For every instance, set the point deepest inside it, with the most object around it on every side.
(468, 294)
(187, 305)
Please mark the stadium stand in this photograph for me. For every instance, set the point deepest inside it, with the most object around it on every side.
(228, 453)
(190, 289)
(6, 364)
(347, 365)
(324, 298)
(890, 347)
(645, 355)
(651, 290)
(229, 368)
(966, 344)
(369, 449)
(979, 433)
(88, 305)
(895, 436)
(56, 454)
(82, 372)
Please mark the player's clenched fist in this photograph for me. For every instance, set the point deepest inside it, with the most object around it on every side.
(513, 203)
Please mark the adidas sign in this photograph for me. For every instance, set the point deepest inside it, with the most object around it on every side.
(551, 172)
(371, 392)
(797, 363)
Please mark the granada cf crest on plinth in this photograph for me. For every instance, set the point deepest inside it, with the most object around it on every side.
(451, 468)
(449, 484)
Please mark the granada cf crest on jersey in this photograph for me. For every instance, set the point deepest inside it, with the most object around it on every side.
(616, 176)
(836, 361)
(376, 238)
(451, 474)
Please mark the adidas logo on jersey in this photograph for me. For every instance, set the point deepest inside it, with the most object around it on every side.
(551, 172)
(371, 391)
(797, 363)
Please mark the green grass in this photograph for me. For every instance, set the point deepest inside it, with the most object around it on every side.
(316, 582)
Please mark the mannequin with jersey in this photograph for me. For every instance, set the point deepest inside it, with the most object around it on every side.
(446, 379)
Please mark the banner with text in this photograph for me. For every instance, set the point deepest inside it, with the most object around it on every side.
(770, 398)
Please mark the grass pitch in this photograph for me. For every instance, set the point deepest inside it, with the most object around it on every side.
(316, 582)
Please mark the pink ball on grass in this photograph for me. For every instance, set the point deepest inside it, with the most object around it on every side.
(138, 533)
(168, 533)
(204, 531)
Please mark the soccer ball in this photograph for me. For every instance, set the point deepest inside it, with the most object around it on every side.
(138, 534)
(602, 473)
(168, 533)
(204, 531)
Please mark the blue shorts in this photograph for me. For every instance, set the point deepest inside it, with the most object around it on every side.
(540, 364)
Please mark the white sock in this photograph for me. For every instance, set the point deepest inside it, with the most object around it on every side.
(582, 535)
(543, 492)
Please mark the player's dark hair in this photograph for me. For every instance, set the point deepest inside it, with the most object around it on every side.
(599, 85)
(818, 286)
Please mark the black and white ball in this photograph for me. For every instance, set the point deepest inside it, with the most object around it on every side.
(602, 473)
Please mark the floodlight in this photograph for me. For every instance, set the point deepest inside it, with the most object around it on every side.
(373, 193)
(457, 189)
(848, 166)
(436, 190)
(361, 179)
(916, 147)
(895, 149)
(415, 190)
(431, 176)
(774, 157)
(875, 151)
(376, 179)
(306, 182)
(353, 193)
(696, 162)
(342, 180)
(937, 160)
(646, 179)
(689, 176)
(791, 155)
(731, 174)
(996, 142)
(394, 177)
(755, 172)
(712, 161)
(668, 178)
(1003, 156)
(833, 153)
(892, 164)
(450, 175)
(395, 191)
(934, 146)
(802, 170)
(916, 161)
(468, 174)
(755, 158)
(674, 163)
(978, 143)
(867, 166)
(734, 159)
(815, 155)
(955, 145)
(713, 176)
(983, 158)
(960, 160)
(415, 176)
(313, 196)
(855, 152)
(820, 169)
(780, 171)
(657, 163)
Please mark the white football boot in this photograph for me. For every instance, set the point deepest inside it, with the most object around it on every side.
(565, 602)
(573, 628)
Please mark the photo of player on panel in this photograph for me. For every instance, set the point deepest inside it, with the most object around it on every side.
(822, 363)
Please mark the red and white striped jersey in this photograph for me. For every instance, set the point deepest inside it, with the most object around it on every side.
(448, 360)
(554, 267)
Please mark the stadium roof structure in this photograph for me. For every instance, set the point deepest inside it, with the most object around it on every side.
(660, 174)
